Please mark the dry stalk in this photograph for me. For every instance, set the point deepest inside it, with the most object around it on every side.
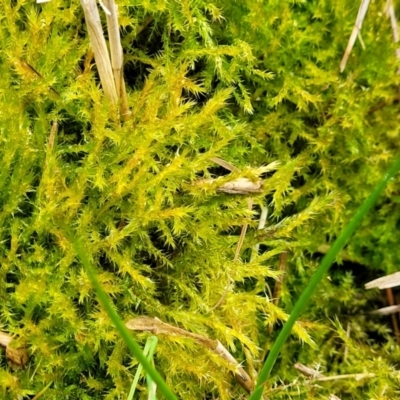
(346, 348)
(236, 257)
(385, 282)
(389, 294)
(88, 61)
(387, 310)
(357, 377)
(388, 282)
(317, 376)
(389, 9)
(146, 23)
(261, 225)
(307, 371)
(278, 284)
(117, 57)
(43, 391)
(356, 32)
(227, 165)
(155, 326)
(395, 30)
(231, 167)
(52, 136)
(100, 50)
(32, 72)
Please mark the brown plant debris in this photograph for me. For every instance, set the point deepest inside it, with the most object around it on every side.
(385, 282)
(16, 357)
(156, 326)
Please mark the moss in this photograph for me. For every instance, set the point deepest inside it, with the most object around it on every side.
(249, 82)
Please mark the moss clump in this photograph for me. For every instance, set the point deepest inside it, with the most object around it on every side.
(249, 82)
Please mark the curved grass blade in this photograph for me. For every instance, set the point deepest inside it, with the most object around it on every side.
(123, 332)
(151, 385)
(148, 351)
(317, 277)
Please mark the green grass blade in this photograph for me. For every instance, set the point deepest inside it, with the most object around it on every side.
(139, 371)
(317, 277)
(123, 331)
(152, 387)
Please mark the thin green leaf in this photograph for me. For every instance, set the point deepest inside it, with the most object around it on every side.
(124, 333)
(316, 279)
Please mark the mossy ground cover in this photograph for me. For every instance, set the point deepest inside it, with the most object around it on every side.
(254, 83)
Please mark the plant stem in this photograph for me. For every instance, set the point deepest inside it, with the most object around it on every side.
(317, 277)
(122, 330)
(149, 348)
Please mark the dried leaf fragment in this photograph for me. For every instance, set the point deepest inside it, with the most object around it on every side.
(16, 357)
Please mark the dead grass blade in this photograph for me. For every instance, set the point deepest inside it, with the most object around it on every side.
(117, 57)
(362, 11)
(100, 50)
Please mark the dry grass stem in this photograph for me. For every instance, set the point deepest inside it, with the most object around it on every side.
(233, 188)
(105, 9)
(235, 258)
(385, 282)
(43, 391)
(117, 56)
(155, 326)
(391, 14)
(362, 11)
(357, 377)
(278, 284)
(53, 133)
(387, 310)
(346, 348)
(225, 164)
(146, 23)
(388, 282)
(317, 376)
(307, 371)
(100, 50)
(389, 294)
(395, 30)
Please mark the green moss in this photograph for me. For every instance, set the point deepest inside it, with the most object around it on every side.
(250, 82)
